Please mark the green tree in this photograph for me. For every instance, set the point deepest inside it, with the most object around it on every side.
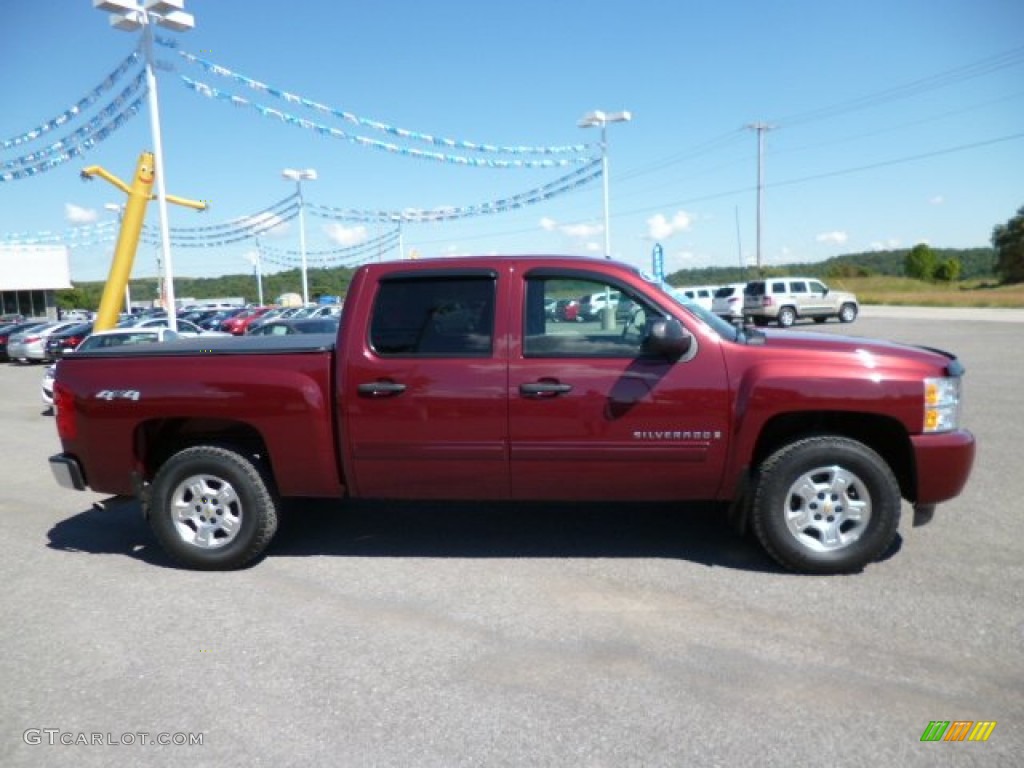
(1008, 240)
(948, 271)
(72, 298)
(920, 262)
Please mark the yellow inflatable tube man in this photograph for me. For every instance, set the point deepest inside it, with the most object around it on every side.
(139, 194)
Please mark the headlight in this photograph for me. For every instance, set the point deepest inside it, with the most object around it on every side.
(941, 404)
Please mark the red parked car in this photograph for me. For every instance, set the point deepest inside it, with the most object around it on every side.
(237, 325)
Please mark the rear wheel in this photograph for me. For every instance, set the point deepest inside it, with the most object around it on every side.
(826, 505)
(211, 508)
(787, 316)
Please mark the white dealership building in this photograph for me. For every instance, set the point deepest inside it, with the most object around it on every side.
(29, 277)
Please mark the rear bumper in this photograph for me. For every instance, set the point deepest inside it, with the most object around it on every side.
(67, 472)
(943, 463)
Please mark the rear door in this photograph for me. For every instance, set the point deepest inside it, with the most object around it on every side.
(425, 392)
(590, 417)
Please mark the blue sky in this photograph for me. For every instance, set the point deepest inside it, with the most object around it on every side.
(892, 123)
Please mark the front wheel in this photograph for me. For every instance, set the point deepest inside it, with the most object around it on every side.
(848, 313)
(826, 505)
(211, 508)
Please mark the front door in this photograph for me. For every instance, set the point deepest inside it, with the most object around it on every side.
(590, 417)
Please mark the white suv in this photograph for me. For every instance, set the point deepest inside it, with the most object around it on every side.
(728, 301)
(785, 299)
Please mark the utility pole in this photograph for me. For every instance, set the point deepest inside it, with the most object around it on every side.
(760, 128)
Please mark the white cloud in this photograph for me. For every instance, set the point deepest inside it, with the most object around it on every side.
(937, 200)
(885, 245)
(659, 227)
(575, 231)
(832, 237)
(344, 235)
(76, 214)
(581, 231)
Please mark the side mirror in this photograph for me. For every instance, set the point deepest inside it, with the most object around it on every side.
(667, 338)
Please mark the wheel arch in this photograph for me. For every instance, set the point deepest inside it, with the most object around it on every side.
(157, 440)
(884, 435)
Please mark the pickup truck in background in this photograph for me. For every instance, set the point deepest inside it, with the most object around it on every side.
(448, 379)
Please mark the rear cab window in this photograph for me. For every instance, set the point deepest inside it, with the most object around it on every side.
(434, 316)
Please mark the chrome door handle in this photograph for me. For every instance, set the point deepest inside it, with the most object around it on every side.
(544, 389)
(381, 389)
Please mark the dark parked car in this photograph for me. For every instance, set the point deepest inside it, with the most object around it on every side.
(59, 343)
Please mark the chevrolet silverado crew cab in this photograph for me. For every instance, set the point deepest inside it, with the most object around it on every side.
(786, 299)
(449, 379)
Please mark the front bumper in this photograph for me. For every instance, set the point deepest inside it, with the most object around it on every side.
(943, 462)
(67, 472)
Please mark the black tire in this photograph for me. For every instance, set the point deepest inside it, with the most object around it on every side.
(847, 313)
(211, 508)
(826, 505)
(786, 317)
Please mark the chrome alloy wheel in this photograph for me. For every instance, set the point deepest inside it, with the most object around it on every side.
(207, 512)
(827, 509)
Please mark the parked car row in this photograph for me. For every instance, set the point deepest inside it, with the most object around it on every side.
(26, 342)
(41, 340)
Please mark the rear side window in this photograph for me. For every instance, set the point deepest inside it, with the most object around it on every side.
(798, 286)
(434, 317)
(755, 288)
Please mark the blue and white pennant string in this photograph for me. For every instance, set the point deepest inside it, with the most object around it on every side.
(78, 108)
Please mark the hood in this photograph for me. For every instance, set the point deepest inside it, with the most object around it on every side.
(870, 353)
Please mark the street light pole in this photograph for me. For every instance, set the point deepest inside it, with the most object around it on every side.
(297, 177)
(257, 261)
(129, 16)
(598, 118)
(760, 128)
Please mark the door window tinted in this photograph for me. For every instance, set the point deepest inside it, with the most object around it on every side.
(434, 317)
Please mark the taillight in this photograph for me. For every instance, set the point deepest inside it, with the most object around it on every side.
(64, 412)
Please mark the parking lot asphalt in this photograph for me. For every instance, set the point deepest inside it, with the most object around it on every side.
(436, 635)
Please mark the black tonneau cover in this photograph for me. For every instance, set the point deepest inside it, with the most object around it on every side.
(290, 344)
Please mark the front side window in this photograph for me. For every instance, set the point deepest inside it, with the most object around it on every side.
(434, 316)
(609, 323)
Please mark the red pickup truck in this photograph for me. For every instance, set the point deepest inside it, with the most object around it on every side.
(449, 380)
